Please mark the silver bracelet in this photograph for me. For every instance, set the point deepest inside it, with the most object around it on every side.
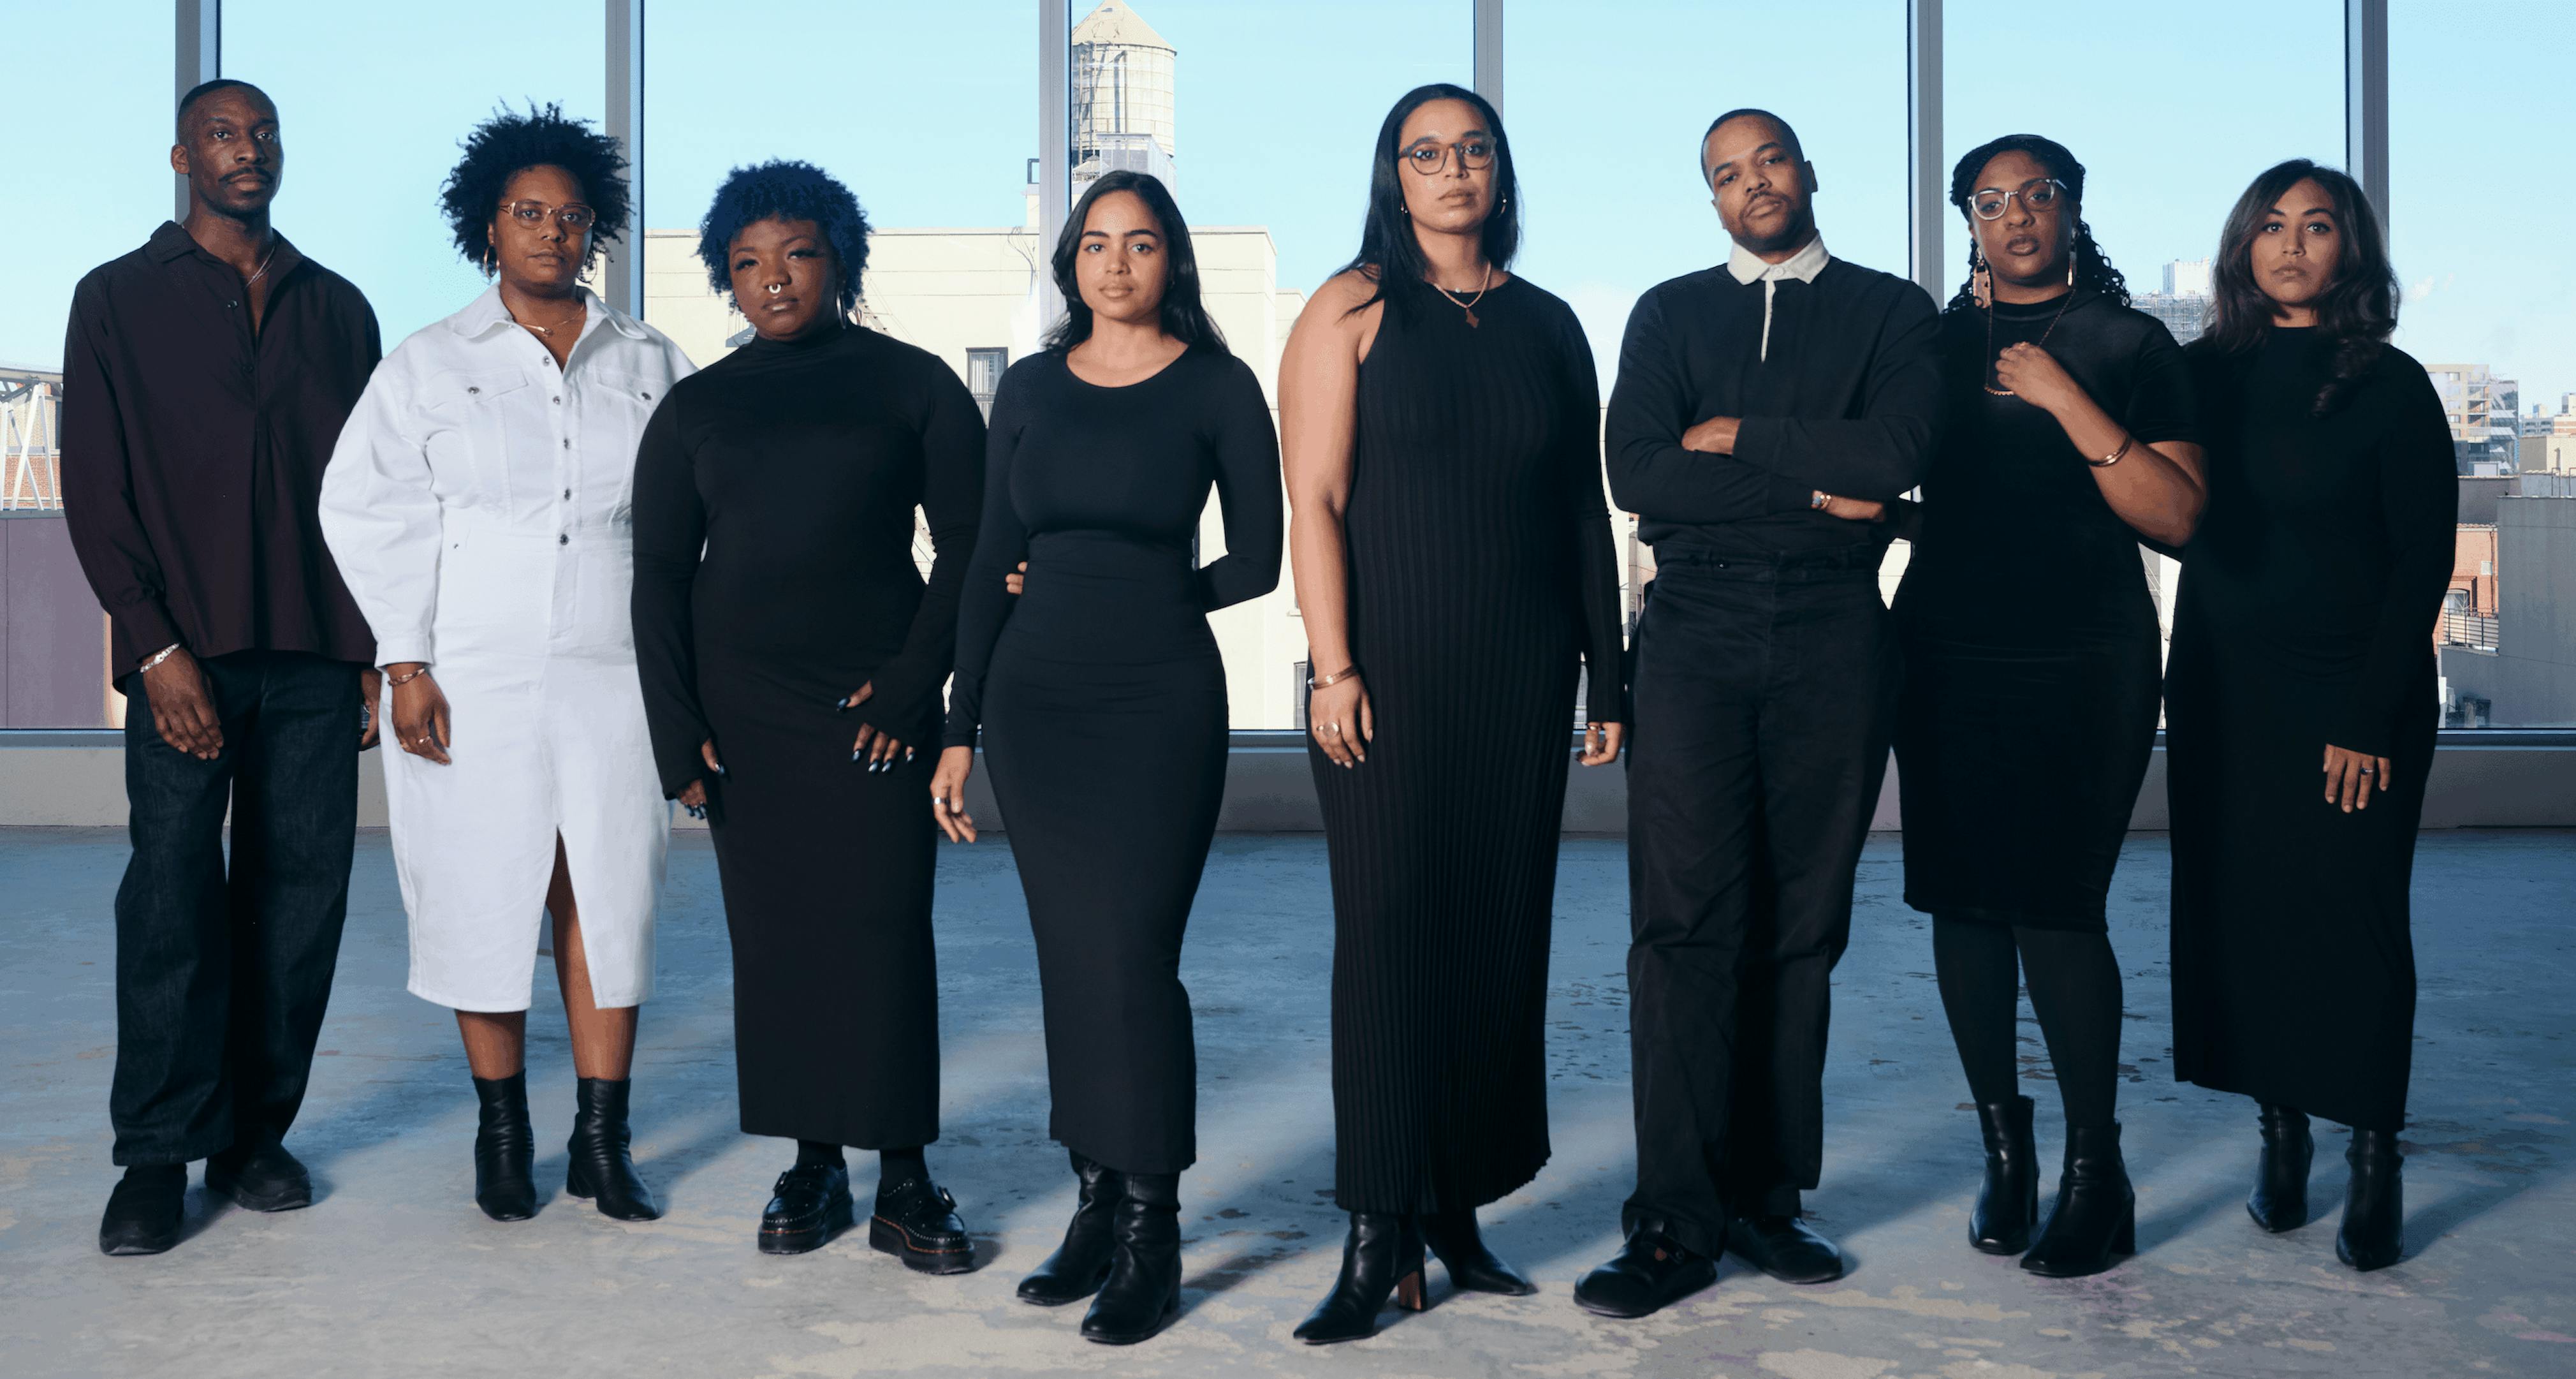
(158, 657)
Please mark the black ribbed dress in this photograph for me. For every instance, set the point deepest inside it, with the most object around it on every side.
(2031, 649)
(1482, 580)
(2309, 596)
(1101, 698)
(774, 498)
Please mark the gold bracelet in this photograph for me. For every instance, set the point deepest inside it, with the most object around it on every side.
(1327, 682)
(406, 679)
(2113, 458)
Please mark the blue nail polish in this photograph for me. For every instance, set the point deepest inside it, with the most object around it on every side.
(854, 756)
(840, 702)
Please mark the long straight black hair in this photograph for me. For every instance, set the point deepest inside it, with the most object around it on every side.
(1389, 254)
(2358, 311)
(2093, 270)
(1185, 316)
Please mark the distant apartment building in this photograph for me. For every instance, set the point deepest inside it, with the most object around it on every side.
(2518, 669)
(2183, 302)
(2482, 410)
(53, 637)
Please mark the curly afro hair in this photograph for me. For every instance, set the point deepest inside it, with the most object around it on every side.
(500, 147)
(785, 190)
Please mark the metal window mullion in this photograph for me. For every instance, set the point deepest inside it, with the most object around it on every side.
(1055, 149)
(1927, 221)
(1488, 46)
(2365, 92)
(621, 268)
(199, 45)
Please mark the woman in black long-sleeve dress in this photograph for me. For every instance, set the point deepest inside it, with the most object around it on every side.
(2303, 654)
(1101, 700)
(1455, 572)
(2031, 672)
(776, 601)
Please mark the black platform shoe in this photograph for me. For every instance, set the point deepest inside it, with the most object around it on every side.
(2280, 1198)
(2096, 1216)
(2373, 1235)
(1381, 1256)
(1078, 1266)
(1785, 1248)
(1143, 1291)
(601, 1166)
(266, 1178)
(810, 1204)
(1473, 1268)
(505, 1149)
(2008, 1205)
(916, 1221)
(144, 1210)
(1651, 1272)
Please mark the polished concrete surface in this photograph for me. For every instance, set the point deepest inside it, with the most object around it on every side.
(393, 1272)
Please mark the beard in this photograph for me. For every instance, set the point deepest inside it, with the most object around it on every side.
(1795, 229)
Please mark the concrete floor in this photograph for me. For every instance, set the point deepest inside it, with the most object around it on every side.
(394, 1272)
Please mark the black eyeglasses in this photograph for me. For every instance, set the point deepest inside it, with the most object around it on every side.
(1475, 153)
(1990, 204)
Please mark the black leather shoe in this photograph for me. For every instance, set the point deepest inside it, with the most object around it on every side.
(1143, 1291)
(916, 1221)
(2008, 1205)
(1651, 1272)
(601, 1166)
(1078, 1266)
(505, 1149)
(1452, 1236)
(2096, 1216)
(266, 1178)
(2280, 1198)
(1381, 1257)
(144, 1210)
(2373, 1235)
(1784, 1248)
(810, 1205)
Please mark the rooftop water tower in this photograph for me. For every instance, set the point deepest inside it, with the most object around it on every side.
(1122, 95)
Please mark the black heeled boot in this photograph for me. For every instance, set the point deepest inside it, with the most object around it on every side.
(2096, 1216)
(1452, 1235)
(1079, 1265)
(1381, 1256)
(1143, 1291)
(2373, 1235)
(2280, 1198)
(505, 1149)
(2008, 1205)
(601, 1166)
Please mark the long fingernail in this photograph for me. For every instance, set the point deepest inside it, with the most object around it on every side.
(840, 702)
(721, 771)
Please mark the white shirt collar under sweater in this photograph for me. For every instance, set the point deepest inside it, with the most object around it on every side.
(1748, 268)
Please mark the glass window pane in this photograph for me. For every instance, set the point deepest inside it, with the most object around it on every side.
(370, 140)
(2169, 122)
(109, 185)
(2488, 297)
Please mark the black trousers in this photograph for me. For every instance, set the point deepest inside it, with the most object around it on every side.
(1764, 694)
(222, 973)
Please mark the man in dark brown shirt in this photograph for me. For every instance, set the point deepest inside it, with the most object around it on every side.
(206, 376)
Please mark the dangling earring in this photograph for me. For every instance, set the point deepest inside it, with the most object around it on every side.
(1981, 282)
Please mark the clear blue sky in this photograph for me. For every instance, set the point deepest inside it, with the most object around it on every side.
(927, 110)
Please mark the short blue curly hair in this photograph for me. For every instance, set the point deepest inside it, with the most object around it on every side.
(787, 190)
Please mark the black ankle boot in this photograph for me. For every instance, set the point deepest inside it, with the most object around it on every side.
(2280, 1198)
(2374, 1203)
(505, 1149)
(145, 1210)
(1452, 1235)
(601, 1166)
(2008, 1204)
(2096, 1216)
(1382, 1255)
(1078, 1266)
(1143, 1291)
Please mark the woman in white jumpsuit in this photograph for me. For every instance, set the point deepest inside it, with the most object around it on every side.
(477, 504)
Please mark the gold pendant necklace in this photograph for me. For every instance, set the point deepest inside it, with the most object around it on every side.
(1469, 305)
(2062, 304)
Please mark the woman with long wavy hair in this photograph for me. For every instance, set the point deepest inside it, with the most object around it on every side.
(1454, 567)
(2300, 695)
(2032, 679)
(1085, 664)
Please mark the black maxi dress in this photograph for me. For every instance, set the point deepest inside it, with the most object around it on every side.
(2309, 598)
(2031, 648)
(1482, 581)
(774, 498)
(1101, 698)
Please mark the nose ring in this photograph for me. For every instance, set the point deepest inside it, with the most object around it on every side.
(773, 289)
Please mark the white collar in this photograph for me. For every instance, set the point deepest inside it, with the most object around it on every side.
(485, 313)
(1748, 268)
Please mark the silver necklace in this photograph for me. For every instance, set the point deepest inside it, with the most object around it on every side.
(262, 270)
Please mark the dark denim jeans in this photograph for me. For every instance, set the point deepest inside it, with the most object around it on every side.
(221, 978)
(1763, 697)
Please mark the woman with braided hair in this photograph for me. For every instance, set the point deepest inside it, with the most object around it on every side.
(2031, 649)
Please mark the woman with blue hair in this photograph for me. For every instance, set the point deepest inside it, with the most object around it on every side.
(792, 657)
